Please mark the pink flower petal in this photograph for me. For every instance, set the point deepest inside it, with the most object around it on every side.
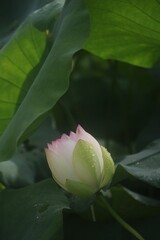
(73, 136)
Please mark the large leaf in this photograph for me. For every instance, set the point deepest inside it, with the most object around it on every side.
(131, 201)
(21, 60)
(17, 60)
(53, 78)
(127, 30)
(144, 166)
(33, 212)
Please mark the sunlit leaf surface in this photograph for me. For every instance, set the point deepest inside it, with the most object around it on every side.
(127, 30)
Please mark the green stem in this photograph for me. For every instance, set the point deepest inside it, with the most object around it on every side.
(93, 213)
(104, 203)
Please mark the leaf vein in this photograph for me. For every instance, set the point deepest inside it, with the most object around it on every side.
(6, 80)
(141, 10)
(132, 32)
(9, 59)
(8, 102)
(152, 30)
(24, 54)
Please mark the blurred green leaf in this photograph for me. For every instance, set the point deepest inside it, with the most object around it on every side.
(144, 166)
(25, 167)
(125, 30)
(2, 187)
(33, 212)
(133, 205)
(52, 81)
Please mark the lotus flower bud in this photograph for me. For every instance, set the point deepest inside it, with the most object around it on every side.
(79, 164)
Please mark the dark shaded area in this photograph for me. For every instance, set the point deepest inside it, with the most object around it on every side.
(13, 13)
(108, 230)
(116, 102)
